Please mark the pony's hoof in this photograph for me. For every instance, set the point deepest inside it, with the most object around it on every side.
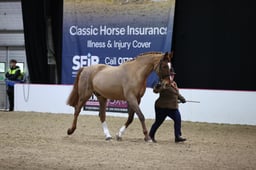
(149, 140)
(108, 138)
(70, 131)
(118, 138)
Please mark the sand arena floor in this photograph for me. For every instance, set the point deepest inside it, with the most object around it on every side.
(39, 141)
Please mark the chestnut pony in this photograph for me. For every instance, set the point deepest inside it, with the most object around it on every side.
(124, 82)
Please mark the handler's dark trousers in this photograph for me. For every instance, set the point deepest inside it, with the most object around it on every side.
(161, 114)
(10, 93)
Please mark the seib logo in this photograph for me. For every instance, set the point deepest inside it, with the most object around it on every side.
(84, 60)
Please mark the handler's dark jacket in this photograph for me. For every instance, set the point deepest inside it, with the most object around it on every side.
(169, 97)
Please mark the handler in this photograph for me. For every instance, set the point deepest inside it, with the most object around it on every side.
(167, 105)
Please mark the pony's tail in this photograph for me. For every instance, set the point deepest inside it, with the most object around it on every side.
(74, 96)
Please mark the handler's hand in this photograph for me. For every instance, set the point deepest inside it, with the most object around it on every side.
(158, 85)
(183, 101)
(157, 88)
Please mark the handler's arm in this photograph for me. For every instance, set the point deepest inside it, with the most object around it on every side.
(181, 98)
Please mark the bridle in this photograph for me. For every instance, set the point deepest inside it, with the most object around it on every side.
(159, 70)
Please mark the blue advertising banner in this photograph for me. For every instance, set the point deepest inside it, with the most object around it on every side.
(112, 32)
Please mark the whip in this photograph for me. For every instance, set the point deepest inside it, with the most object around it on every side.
(192, 101)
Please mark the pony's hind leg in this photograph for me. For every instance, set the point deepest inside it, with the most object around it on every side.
(78, 107)
(102, 115)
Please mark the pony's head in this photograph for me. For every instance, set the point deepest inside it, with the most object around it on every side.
(163, 68)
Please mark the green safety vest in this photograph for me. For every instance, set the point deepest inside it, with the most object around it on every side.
(14, 71)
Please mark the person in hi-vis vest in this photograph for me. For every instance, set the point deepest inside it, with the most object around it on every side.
(12, 76)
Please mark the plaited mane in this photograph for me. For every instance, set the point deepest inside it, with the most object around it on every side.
(151, 52)
(142, 54)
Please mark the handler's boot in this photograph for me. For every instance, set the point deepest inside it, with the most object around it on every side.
(180, 139)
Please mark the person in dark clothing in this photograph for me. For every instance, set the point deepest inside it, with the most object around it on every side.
(167, 105)
(12, 76)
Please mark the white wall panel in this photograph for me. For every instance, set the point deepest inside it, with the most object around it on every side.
(11, 16)
(12, 39)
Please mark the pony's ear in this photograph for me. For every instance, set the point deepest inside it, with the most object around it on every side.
(168, 56)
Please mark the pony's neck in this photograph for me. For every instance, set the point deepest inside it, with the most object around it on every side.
(148, 63)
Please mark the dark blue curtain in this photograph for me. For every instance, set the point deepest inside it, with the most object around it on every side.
(35, 15)
(214, 44)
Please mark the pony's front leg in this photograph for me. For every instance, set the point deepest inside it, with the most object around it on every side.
(102, 115)
(125, 126)
(135, 106)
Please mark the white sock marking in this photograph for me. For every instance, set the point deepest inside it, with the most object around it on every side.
(121, 131)
(105, 129)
